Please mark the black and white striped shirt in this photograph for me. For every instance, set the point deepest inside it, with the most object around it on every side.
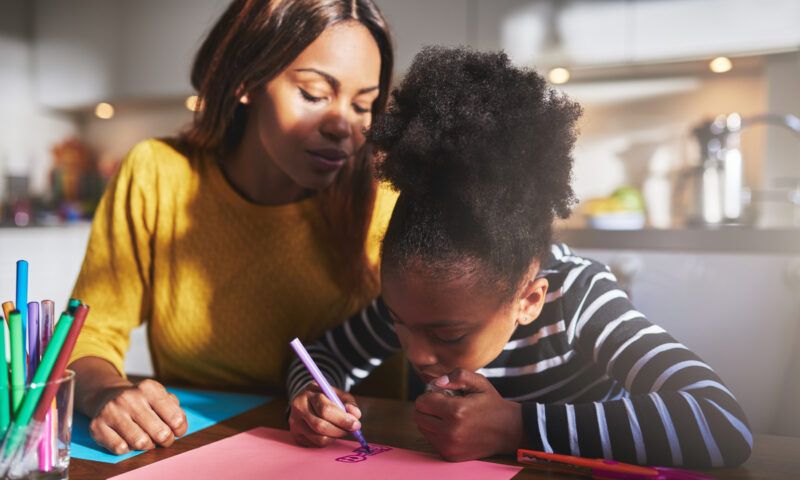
(595, 378)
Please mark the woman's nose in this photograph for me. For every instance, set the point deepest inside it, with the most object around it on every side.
(337, 125)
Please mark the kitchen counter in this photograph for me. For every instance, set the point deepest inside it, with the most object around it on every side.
(725, 239)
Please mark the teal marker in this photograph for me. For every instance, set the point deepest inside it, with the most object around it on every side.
(72, 305)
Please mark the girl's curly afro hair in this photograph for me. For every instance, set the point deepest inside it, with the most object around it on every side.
(481, 152)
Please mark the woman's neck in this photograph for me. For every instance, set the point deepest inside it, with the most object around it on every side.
(256, 177)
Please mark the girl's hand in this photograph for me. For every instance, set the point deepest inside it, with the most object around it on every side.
(478, 424)
(136, 417)
(315, 421)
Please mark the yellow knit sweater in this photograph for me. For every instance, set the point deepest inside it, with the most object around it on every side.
(224, 284)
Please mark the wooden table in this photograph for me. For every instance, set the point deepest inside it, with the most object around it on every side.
(774, 457)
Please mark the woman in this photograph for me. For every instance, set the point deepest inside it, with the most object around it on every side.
(251, 228)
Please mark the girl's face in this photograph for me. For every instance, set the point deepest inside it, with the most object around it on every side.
(447, 325)
(311, 117)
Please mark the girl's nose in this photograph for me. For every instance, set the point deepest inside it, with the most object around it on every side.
(419, 353)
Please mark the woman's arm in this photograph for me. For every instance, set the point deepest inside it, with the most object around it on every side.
(115, 279)
(677, 410)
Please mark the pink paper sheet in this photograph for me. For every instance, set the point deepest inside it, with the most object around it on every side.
(270, 453)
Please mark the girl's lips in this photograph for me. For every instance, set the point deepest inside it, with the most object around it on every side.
(427, 378)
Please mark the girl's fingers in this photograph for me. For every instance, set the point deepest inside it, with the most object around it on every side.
(346, 397)
(310, 437)
(353, 410)
(319, 426)
(427, 422)
(331, 414)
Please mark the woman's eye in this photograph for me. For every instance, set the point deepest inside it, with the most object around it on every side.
(308, 97)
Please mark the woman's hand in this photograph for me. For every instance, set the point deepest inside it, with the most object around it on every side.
(315, 421)
(476, 425)
(125, 416)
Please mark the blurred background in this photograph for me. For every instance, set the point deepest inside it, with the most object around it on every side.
(687, 166)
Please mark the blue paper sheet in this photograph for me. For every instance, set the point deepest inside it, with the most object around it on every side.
(203, 409)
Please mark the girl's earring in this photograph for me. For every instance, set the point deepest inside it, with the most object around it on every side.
(244, 99)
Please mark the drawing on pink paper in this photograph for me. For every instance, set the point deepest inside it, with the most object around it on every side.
(270, 453)
(360, 454)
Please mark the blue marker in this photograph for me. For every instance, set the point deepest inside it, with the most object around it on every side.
(313, 369)
(22, 302)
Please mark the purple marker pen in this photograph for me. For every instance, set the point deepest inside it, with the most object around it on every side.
(323, 384)
(33, 338)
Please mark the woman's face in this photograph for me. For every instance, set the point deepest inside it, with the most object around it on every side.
(457, 324)
(311, 117)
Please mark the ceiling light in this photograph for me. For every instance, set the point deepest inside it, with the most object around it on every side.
(193, 103)
(720, 65)
(104, 110)
(558, 75)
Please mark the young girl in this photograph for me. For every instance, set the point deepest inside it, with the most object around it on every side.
(542, 347)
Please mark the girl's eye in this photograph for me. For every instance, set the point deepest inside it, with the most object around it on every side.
(308, 97)
(450, 341)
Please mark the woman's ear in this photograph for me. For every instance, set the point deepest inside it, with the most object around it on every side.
(244, 95)
(531, 300)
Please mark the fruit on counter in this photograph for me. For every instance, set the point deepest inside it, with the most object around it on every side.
(623, 199)
(630, 198)
(623, 210)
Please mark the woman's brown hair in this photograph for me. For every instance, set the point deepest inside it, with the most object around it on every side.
(251, 43)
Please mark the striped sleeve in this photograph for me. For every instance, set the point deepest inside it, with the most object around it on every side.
(347, 353)
(671, 408)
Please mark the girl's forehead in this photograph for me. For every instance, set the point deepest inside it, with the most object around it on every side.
(416, 298)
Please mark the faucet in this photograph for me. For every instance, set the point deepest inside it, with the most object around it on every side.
(719, 190)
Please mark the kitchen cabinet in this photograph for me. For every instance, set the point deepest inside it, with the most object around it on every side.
(540, 33)
(623, 32)
(88, 51)
(664, 30)
(739, 311)
(74, 52)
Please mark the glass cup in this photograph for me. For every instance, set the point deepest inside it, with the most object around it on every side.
(40, 450)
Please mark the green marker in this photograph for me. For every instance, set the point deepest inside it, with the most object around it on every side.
(29, 402)
(17, 359)
(5, 406)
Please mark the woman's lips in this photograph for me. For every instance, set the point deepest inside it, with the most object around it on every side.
(329, 159)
